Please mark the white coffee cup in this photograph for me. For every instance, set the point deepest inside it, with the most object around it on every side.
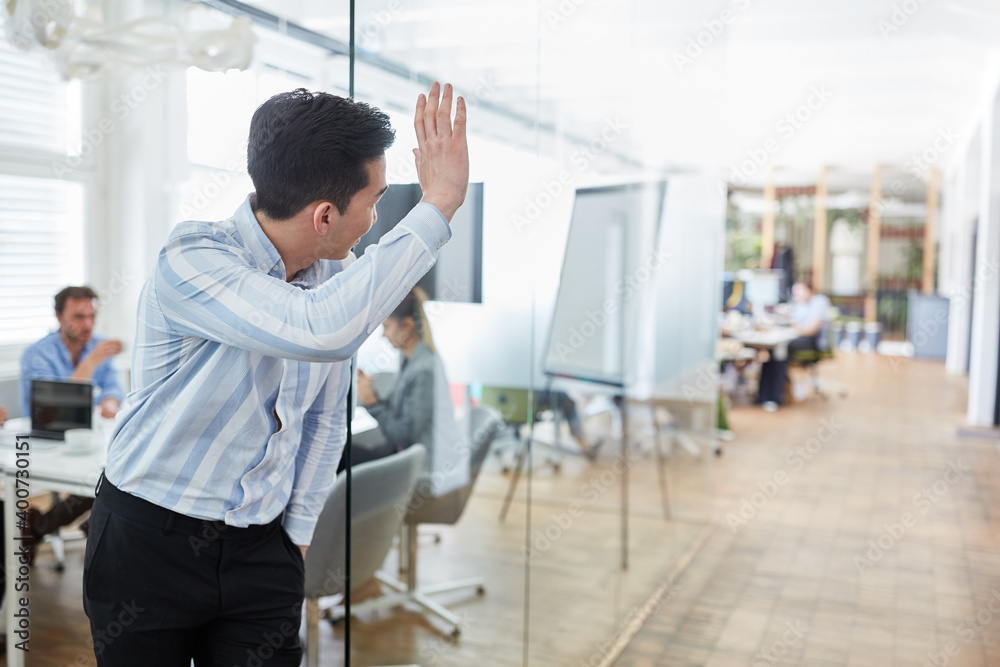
(79, 438)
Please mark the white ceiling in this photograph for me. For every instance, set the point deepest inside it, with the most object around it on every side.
(583, 62)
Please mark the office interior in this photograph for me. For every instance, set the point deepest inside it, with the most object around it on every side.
(638, 171)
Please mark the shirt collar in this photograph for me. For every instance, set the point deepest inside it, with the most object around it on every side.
(265, 255)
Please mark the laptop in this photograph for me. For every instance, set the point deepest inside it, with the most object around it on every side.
(58, 406)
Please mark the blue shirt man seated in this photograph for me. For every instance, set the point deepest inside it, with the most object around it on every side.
(72, 352)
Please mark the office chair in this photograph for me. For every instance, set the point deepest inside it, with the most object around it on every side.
(484, 425)
(809, 360)
(379, 489)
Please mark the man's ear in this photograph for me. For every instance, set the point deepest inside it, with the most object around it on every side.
(324, 217)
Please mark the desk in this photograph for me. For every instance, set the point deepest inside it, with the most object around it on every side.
(53, 467)
(774, 338)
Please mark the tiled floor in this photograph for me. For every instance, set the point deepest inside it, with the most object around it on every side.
(872, 541)
(840, 560)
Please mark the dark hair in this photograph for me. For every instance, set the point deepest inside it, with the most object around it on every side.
(305, 147)
(73, 293)
(412, 306)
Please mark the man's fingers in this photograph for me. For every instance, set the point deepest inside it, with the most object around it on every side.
(459, 130)
(430, 111)
(418, 119)
(444, 112)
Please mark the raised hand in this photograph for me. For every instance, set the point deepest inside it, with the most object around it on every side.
(442, 153)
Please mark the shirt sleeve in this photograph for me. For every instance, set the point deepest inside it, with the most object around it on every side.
(35, 365)
(416, 411)
(205, 287)
(106, 381)
(324, 431)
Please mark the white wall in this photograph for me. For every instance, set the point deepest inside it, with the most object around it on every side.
(983, 354)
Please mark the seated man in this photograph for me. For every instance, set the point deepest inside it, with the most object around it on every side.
(810, 313)
(71, 353)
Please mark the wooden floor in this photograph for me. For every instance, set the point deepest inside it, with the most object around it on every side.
(819, 574)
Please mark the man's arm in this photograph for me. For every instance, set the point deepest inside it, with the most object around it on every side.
(324, 429)
(205, 288)
(110, 389)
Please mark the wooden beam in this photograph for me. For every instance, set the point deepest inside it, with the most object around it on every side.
(874, 234)
(767, 224)
(819, 235)
(929, 248)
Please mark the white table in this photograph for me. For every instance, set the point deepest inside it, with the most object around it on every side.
(774, 338)
(54, 467)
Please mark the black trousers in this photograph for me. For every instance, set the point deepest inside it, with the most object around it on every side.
(161, 588)
(774, 374)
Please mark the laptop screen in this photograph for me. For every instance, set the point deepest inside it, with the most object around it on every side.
(59, 406)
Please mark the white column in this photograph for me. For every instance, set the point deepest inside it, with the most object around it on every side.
(142, 120)
(983, 353)
(962, 210)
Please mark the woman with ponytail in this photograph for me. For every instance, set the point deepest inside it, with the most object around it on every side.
(418, 407)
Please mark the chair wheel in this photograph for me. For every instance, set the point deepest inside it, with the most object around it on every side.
(718, 451)
(480, 590)
(60, 567)
(456, 632)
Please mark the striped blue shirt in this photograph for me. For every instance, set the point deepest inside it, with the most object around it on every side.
(240, 378)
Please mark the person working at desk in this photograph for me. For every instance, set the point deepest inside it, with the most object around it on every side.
(418, 407)
(226, 449)
(811, 311)
(73, 352)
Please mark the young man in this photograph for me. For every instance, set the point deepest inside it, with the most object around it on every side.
(226, 449)
(73, 352)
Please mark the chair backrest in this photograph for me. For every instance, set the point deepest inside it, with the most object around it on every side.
(823, 337)
(485, 423)
(511, 403)
(378, 489)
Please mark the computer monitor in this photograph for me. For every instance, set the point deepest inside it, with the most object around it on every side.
(458, 273)
(57, 406)
(762, 288)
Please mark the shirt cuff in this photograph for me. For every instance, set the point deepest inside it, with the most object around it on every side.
(428, 224)
(299, 528)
